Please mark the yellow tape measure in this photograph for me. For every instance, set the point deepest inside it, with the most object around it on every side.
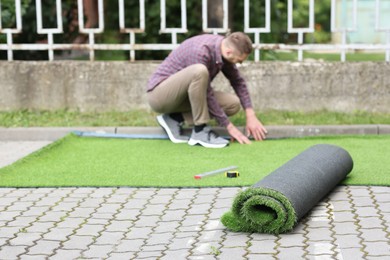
(232, 174)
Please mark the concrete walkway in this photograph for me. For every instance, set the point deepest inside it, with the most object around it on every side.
(353, 222)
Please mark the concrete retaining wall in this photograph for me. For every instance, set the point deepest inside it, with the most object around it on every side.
(106, 86)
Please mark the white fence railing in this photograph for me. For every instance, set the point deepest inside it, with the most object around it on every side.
(132, 46)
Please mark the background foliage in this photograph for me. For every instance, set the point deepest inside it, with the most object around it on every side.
(152, 20)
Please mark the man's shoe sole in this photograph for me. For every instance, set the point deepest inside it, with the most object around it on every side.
(164, 125)
(207, 145)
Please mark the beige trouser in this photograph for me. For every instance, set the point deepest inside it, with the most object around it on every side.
(186, 92)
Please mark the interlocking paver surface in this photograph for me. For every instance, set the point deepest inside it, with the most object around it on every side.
(352, 222)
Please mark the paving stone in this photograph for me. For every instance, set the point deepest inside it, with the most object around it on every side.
(149, 255)
(78, 242)
(19, 206)
(128, 214)
(98, 251)
(52, 216)
(358, 191)
(228, 192)
(181, 243)
(164, 192)
(32, 257)
(138, 233)
(173, 215)
(262, 237)
(370, 222)
(11, 252)
(9, 215)
(160, 199)
(366, 211)
(179, 204)
(232, 253)
(338, 196)
(126, 190)
(147, 221)
(177, 254)
(213, 235)
(166, 227)
(260, 256)
(58, 234)
(116, 199)
(25, 239)
(99, 219)
(291, 253)
(341, 205)
(91, 203)
(203, 199)
(129, 245)
(199, 209)
(21, 221)
(225, 203)
(344, 228)
(144, 194)
(135, 204)
(344, 216)
(39, 227)
(262, 247)
(189, 229)
(159, 239)
(193, 220)
(348, 241)
(377, 248)
(384, 207)
(70, 223)
(64, 206)
(109, 208)
(121, 256)
(372, 235)
(44, 247)
(118, 226)
(153, 210)
(216, 213)
(291, 240)
(320, 248)
(364, 202)
(352, 253)
(81, 213)
(62, 254)
(89, 230)
(206, 248)
(236, 240)
(9, 232)
(185, 194)
(35, 211)
(319, 234)
(380, 189)
(110, 238)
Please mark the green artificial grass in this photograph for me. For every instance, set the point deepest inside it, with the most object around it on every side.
(86, 161)
(260, 210)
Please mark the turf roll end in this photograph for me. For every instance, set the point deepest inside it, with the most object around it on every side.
(278, 201)
(260, 210)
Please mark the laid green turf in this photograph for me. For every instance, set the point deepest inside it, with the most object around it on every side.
(84, 161)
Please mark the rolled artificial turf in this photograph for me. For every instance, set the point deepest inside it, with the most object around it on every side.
(275, 203)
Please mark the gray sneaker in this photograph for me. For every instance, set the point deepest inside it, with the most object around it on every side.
(207, 138)
(173, 129)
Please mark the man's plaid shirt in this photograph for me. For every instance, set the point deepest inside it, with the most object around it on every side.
(203, 49)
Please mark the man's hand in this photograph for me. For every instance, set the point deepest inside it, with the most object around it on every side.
(253, 126)
(237, 135)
